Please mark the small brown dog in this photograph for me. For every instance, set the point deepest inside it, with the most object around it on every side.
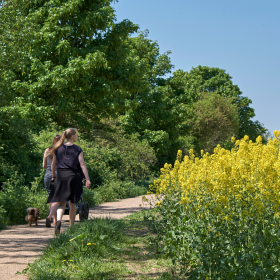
(32, 215)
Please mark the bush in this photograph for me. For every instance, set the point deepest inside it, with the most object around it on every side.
(38, 195)
(18, 150)
(121, 157)
(215, 120)
(16, 197)
(112, 157)
(2, 217)
(89, 196)
(118, 190)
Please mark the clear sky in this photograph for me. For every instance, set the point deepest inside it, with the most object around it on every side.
(239, 36)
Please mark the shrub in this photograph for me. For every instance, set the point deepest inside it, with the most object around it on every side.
(214, 121)
(14, 199)
(17, 149)
(123, 157)
(118, 190)
(2, 217)
(116, 157)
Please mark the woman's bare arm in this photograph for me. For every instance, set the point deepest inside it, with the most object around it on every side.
(53, 166)
(84, 168)
(45, 158)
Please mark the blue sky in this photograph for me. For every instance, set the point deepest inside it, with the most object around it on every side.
(241, 37)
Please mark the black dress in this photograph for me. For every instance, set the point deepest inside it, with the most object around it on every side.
(68, 184)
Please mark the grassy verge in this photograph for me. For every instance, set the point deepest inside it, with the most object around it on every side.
(103, 249)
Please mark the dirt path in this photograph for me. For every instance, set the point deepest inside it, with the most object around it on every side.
(20, 245)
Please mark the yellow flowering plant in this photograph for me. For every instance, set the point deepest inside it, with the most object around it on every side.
(220, 212)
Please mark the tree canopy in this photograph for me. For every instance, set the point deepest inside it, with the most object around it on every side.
(70, 62)
(73, 62)
(211, 79)
(215, 121)
(159, 110)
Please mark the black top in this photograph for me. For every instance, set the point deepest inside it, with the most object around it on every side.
(67, 156)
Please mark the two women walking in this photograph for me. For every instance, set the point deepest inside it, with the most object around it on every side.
(68, 185)
(47, 162)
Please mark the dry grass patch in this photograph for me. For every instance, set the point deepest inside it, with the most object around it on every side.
(141, 258)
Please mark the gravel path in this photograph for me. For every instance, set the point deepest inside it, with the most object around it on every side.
(20, 245)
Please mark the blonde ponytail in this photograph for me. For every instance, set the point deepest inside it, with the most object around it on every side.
(67, 134)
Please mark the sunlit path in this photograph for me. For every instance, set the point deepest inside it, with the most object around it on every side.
(21, 244)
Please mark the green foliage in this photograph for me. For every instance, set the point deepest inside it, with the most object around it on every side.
(118, 249)
(253, 129)
(210, 79)
(215, 120)
(89, 196)
(118, 190)
(165, 112)
(202, 244)
(145, 112)
(74, 64)
(16, 197)
(159, 109)
(118, 168)
(2, 217)
(38, 195)
(71, 249)
(118, 157)
(70, 62)
(109, 154)
(116, 163)
(17, 148)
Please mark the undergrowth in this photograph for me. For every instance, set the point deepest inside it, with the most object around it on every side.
(118, 169)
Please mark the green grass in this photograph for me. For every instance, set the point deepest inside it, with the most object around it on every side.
(121, 250)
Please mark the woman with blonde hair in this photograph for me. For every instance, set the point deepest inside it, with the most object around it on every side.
(47, 162)
(68, 185)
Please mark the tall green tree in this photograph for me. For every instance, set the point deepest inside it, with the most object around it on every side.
(74, 62)
(210, 79)
(159, 109)
(214, 121)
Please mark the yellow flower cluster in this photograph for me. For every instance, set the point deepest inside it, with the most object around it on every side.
(247, 177)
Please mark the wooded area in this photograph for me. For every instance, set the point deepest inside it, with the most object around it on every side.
(68, 63)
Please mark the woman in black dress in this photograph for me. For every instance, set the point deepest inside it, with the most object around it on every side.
(68, 185)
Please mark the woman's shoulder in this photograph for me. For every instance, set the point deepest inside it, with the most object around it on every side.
(77, 147)
(47, 150)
